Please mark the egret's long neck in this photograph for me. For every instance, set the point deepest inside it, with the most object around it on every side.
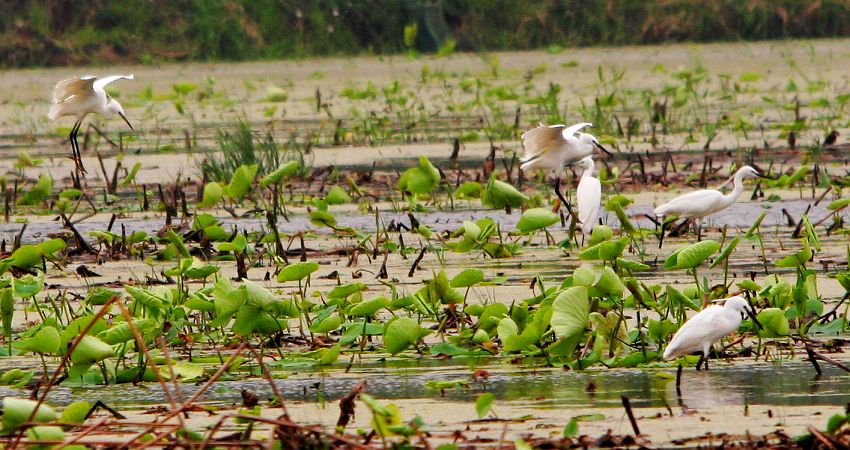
(738, 189)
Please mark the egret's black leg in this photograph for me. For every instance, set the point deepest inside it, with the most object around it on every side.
(701, 359)
(75, 147)
(73, 144)
(557, 187)
(661, 236)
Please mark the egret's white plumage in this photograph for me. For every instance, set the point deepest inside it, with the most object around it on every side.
(550, 148)
(589, 194)
(80, 96)
(698, 204)
(707, 327)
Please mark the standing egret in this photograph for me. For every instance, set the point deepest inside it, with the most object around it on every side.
(550, 148)
(80, 96)
(707, 327)
(589, 194)
(698, 204)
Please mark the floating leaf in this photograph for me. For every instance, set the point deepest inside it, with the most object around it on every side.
(536, 219)
(611, 250)
(28, 286)
(584, 276)
(241, 181)
(70, 194)
(286, 170)
(570, 313)
(609, 283)
(151, 302)
(46, 340)
(467, 278)
(369, 307)
(421, 179)
(483, 404)
(297, 271)
(337, 196)
(75, 412)
(599, 234)
(17, 410)
(39, 193)
(346, 290)
(469, 189)
(91, 350)
(326, 326)
(400, 333)
(498, 195)
(323, 219)
(694, 254)
(838, 204)
(726, 252)
(798, 259)
(121, 332)
(632, 266)
(213, 193)
(774, 323)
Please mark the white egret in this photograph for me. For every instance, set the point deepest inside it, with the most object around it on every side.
(80, 96)
(589, 194)
(550, 148)
(704, 202)
(707, 327)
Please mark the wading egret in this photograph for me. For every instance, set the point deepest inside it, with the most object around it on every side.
(707, 327)
(698, 204)
(589, 195)
(80, 96)
(550, 148)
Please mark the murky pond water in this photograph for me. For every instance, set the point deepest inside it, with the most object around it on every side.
(788, 384)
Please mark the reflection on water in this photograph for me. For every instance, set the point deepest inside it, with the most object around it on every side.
(788, 384)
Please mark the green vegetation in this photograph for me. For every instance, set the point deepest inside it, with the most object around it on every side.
(37, 33)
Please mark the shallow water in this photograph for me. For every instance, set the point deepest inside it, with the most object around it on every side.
(739, 215)
(786, 384)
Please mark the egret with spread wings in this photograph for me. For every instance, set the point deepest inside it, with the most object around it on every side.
(80, 96)
(550, 148)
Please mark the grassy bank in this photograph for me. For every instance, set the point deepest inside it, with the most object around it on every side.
(62, 32)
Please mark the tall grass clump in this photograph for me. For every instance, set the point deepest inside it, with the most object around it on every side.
(242, 146)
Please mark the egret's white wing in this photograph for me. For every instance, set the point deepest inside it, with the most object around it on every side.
(589, 194)
(571, 130)
(539, 126)
(77, 86)
(101, 83)
(540, 140)
(693, 204)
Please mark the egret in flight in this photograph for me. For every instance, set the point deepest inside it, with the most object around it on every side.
(589, 194)
(550, 148)
(80, 96)
(707, 327)
(704, 202)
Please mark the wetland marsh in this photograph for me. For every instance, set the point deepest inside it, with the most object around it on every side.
(281, 231)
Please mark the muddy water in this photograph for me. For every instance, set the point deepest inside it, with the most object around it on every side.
(743, 383)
